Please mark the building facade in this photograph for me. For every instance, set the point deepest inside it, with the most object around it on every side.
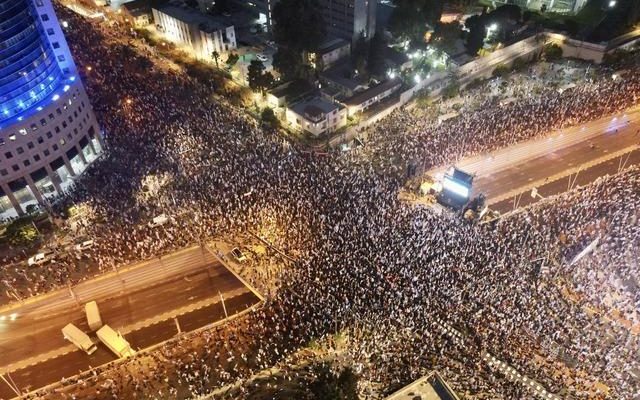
(349, 19)
(203, 34)
(48, 131)
(317, 116)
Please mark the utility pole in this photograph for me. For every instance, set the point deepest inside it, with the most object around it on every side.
(223, 306)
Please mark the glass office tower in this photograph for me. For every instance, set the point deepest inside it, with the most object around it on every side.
(48, 131)
(28, 68)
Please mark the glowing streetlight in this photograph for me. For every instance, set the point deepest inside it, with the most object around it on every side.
(612, 3)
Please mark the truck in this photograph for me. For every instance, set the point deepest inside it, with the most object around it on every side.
(73, 334)
(93, 315)
(115, 342)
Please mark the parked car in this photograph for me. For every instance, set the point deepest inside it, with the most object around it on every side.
(262, 57)
(238, 255)
(87, 244)
(159, 220)
(40, 259)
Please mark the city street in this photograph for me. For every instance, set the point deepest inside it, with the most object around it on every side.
(582, 154)
(36, 353)
(589, 159)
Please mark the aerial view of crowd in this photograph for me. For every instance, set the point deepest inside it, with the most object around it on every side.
(389, 274)
(409, 138)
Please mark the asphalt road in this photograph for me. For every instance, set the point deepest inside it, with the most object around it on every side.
(558, 166)
(585, 177)
(35, 333)
(72, 363)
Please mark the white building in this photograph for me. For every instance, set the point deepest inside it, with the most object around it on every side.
(202, 33)
(317, 116)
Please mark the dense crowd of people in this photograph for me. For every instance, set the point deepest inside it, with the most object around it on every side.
(409, 138)
(390, 274)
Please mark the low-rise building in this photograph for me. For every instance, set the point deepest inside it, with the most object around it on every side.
(138, 12)
(329, 53)
(429, 387)
(288, 92)
(317, 116)
(363, 100)
(204, 34)
(343, 77)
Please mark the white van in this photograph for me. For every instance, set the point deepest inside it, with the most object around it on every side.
(93, 315)
(79, 338)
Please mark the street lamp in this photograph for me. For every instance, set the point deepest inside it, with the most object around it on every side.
(612, 3)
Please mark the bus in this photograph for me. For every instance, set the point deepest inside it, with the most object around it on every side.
(79, 338)
(93, 315)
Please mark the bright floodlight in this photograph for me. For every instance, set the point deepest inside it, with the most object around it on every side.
(455, 187)
(612, 3)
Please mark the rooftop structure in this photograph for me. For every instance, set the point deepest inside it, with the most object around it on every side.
(429, 387)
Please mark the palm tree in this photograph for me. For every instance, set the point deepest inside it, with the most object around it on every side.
(216, 56)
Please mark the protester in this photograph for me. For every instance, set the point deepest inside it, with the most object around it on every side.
(396, 278)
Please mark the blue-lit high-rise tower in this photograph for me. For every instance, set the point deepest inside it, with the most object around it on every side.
(48, 132)
(28, 69)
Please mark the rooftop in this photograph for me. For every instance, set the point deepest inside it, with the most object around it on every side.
(332, 44)
(370, 93)
(292, 90)
(430, 387)
(137, 6)
(344, 75)
(206, 23)
(315, 108)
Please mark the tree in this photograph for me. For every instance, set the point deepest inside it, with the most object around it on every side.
(446, 35)
(335, 386)
(232, 59)
(552, 52)
(216, 56)
(269, 118)
(221, 6)
(298, 29)
(410, 18)
(288, 63)
(377, 50)
(258, 79)
(477, 31)
(359, 54)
